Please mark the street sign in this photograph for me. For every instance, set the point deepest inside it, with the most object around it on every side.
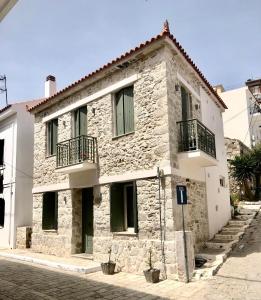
(182, 198)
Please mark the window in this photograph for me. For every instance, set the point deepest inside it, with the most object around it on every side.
(222, 181)
(50, 211)
(2, 144)
(52, 129)
(123, 203)
(2, 212)
(80, 121)
(124, 111)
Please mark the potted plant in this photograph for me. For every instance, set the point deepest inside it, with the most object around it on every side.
(108, 267)
(151, 274)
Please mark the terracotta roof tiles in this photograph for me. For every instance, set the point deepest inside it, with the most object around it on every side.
(164, 33)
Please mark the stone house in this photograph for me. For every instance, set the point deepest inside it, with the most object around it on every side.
(110, 150)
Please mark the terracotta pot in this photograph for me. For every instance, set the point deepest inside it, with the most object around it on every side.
(152, 275)
(108, 268)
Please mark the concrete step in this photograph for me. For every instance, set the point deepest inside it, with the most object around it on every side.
(238, 222)
(220, 244)
(226, 237)
(234, 228)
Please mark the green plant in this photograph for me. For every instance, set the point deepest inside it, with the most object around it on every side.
(234, 200)
(109, 252)
(242, 169)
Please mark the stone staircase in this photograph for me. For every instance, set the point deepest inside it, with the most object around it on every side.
(217, 249)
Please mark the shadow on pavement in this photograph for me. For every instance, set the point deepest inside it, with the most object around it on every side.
(22, 281)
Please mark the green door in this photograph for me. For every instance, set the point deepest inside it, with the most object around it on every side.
(87, 220)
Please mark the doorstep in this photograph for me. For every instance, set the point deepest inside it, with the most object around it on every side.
(79, 265)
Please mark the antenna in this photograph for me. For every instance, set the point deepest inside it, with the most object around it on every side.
(4, 89)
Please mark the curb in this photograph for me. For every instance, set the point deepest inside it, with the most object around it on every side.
(56, 265)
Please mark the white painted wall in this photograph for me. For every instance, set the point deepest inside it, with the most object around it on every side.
(16, 128)
(237, 117)
(217, 196)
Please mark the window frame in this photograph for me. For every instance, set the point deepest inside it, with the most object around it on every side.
(51, 150)
(3, 216)
(126, 230)
(55, 213)
(114, 112)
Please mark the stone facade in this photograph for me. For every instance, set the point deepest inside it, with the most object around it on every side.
(154, 143)
(234, 148)
(23, 237)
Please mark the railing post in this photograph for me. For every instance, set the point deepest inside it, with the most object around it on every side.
(195, 122)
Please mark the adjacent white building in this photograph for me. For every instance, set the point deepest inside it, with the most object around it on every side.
(16, 164)
(242, 119)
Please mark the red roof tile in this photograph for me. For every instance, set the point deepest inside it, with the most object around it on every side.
(164, 33)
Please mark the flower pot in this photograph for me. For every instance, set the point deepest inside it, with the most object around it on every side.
(152, 275)
(108, 268)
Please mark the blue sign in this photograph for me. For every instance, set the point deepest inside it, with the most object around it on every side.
(182, 195)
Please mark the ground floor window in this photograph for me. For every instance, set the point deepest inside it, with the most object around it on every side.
(50, 211)
(2, 212)
(123, 202)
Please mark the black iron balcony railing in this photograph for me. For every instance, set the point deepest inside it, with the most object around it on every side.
(75, 151)
(193, 135)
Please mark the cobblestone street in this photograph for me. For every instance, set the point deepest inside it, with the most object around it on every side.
(238, 279)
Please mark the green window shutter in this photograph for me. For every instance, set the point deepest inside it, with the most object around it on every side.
(184, 103)
(54, 135)
(117, 208)
(135, 207)
(83, 120)
(76, 123)
(119, 113)
(128, 109)
(49, 211)
(49, 138)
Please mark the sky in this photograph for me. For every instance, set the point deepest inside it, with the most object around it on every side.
(70, 39)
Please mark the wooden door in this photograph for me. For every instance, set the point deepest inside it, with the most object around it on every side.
(87, 220)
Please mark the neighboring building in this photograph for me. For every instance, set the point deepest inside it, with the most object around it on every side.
(16, 168)
(99, 144)
(5, 7)
(254, 86)
(242, 119)
(234, 148)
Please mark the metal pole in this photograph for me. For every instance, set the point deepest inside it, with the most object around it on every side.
(185, 245)
(5, 91)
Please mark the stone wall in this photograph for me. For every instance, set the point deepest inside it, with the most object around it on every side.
(57, 242)
(234, 148)
(130, 251)
(23, 237)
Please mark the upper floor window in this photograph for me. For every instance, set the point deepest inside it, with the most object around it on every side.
(52, 130)
(2, 145)
(80, 121)
(124, 111)
(50, 211)
(2, 212)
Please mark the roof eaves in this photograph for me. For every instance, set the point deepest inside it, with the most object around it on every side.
(126, 55)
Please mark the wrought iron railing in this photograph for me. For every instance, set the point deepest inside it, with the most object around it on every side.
(75, 151)
(193, 135)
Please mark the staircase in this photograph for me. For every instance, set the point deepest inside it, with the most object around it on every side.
(217, 249)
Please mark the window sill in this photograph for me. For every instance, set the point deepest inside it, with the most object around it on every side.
(51, 155)
(50, 230)
(122, 135)
(125, 233)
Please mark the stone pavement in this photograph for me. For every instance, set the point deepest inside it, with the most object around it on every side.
(238, 279)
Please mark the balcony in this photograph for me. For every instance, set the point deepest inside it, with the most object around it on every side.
(76, 154)
(196, 143)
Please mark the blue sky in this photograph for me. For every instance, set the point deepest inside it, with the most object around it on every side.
(69, 39)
